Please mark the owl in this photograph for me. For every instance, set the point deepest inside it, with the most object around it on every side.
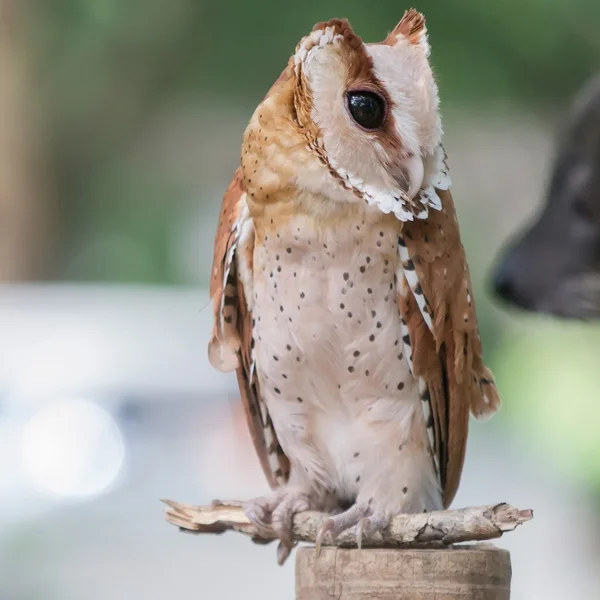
(341, 293)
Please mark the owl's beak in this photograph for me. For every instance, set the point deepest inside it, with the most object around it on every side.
(409, 175)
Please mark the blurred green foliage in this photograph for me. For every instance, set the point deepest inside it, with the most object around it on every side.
(549, 379)
(102, 70)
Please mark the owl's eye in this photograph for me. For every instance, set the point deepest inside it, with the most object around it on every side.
(366, 108)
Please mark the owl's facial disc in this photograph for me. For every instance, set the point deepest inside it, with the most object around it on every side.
(370, 114)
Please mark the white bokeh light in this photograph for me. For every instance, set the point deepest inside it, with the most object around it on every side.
(72, 448)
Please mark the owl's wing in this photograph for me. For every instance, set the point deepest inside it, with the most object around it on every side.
(231, 345)
(441, 337)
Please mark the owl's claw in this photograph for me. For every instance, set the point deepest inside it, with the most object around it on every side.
(283, 552)
(364, 525)
(327, 527)
(282, 517)
(360, 516)
(375, 523)
(258, 513)
(275, 514)
(338, 523)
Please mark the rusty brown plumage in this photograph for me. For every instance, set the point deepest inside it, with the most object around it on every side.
(224, 343)
(448, 357)
(411, 26)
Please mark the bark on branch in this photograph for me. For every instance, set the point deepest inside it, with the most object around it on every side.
(441, 527)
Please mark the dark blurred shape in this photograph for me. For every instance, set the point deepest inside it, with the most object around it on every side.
(554, 265)
(505, 281)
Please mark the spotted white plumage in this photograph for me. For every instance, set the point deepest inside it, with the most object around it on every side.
(244, 236)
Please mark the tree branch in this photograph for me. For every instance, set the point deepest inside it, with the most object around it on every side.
(411, 530)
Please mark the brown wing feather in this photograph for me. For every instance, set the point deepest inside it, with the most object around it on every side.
(231, 344)
(446, 352)
(225, 343)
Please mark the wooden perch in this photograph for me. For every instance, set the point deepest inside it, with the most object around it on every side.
(414, 530)
(475, 571)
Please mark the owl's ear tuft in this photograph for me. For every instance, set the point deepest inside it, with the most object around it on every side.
(411, 27)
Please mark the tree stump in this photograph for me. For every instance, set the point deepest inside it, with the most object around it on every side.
(477, 572)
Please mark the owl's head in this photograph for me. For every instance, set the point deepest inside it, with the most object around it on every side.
(353, 122)
(370, 112)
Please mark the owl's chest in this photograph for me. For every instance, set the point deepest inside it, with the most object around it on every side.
(328, 345)
(325, 310)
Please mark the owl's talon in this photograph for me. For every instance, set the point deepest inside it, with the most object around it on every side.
(256, 513)
(282, 518)
(273, 516)
(284, 533)
(283, 552)
(259, 513)
(365, 521)
(327, 527)
(364, 525)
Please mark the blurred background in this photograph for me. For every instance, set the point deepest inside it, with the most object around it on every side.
(120, 127)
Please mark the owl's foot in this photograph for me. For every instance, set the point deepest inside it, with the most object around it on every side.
(276, 512)
(362, 517)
